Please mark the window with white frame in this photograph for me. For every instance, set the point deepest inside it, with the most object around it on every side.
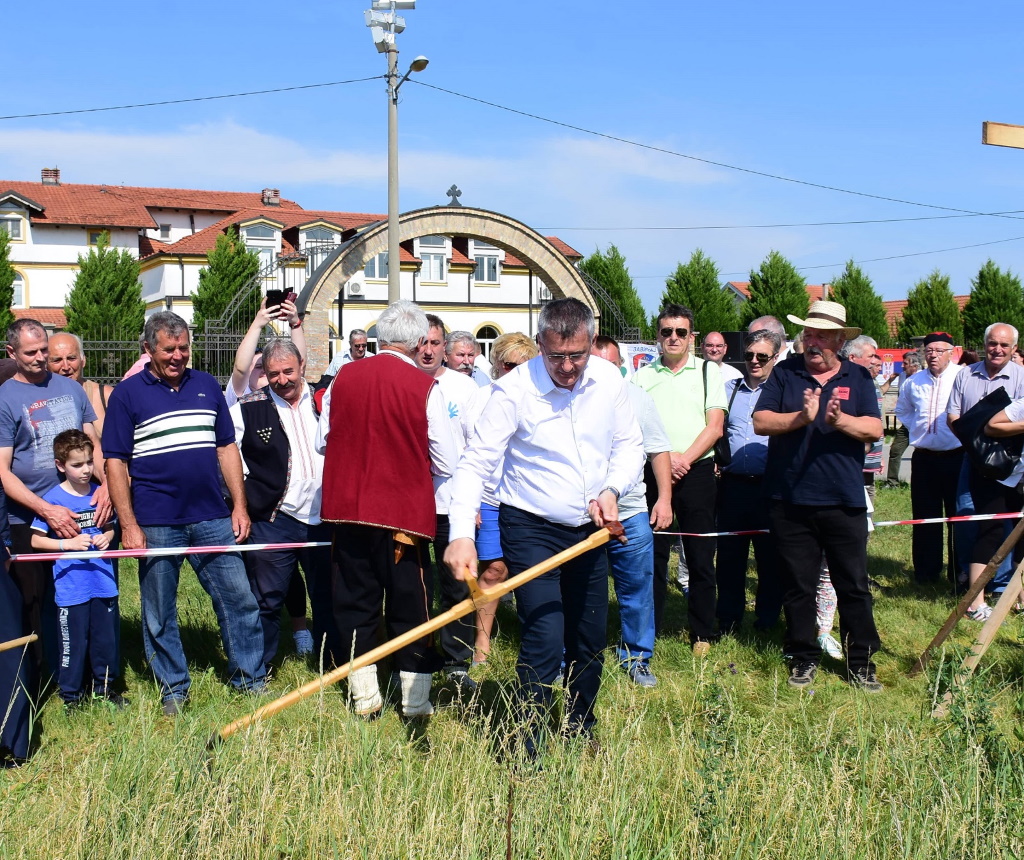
(485, 336)
(486, 269)
(165, 232)
(377, 267)
(259, 231)
(433, 241)
(11, 224)
(433, 267)
(261, 239)
(19, 291)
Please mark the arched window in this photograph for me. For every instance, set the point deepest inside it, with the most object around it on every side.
(485, 336)
(259, 231)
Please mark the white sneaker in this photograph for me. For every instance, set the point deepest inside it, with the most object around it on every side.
(830, 646)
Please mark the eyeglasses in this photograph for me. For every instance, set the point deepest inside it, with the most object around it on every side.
(761, 357)
(511, 365)
(680, 332)
(558, 358)
(931, 351)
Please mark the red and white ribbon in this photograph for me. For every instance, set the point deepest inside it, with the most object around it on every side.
(154, 553)
(925, 522)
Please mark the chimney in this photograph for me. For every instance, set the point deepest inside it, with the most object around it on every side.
(51, 176)
(271, 197)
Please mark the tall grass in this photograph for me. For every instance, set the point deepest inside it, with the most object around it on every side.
(721, 759)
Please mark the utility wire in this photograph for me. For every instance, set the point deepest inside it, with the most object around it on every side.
(858, 262)
(187, 101)
(672, 152)
(770, 226)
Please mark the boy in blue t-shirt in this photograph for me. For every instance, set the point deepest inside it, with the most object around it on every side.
(85, 589)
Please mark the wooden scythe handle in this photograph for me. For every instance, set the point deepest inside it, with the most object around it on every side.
(464, 607)
(17, 643)
(965, 602)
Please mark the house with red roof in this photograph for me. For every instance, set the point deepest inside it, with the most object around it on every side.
(741, 291)
(471, 284)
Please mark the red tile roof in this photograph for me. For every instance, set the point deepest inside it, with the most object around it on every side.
(894, 310)
(126, 206)
(814, 291)
(49, 317)
(566, 249)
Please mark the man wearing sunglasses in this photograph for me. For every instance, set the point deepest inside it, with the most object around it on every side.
(819, 411)
(741, 503)
(691, 402)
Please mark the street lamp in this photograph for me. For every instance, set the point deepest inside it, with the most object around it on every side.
(384, 25)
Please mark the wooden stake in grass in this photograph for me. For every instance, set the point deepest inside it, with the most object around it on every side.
(18, 643)
(478, 597)
(965, 602)
(985, 636)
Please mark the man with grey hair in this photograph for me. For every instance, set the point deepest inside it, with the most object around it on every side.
(772, 324)
(357, 340)
(863, 350)
(995, 370)
(563, 431)
(35, 405)
(397, 438)
(460, 349)
(168, 439)
(275, 429)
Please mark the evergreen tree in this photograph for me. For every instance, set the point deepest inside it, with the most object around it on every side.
(931, 307)
(609, 270)
(230, 267)
(6, 284)
(697, 285)
(864, 308)
(776, 289)
(105, 302)
(996, 296)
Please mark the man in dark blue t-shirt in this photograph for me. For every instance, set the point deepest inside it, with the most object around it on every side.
(169, 429)
(820, 411)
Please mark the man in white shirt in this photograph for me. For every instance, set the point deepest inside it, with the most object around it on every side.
(714, 348)
(275, 429)
(937, 457)
(562, 428)
(444, 359)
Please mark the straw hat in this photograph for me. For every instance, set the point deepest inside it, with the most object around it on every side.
(826, 315)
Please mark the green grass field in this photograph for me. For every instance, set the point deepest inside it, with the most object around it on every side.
(721, 759)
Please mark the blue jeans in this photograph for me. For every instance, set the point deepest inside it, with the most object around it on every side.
(223, 576)
(632, 569)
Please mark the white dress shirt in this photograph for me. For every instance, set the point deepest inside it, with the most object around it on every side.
(727, 372)
(561, 448)
(305, 484)
(458, 390)
(921, 408)
(442, 447)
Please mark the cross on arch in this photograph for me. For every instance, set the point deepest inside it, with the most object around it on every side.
(455, 194)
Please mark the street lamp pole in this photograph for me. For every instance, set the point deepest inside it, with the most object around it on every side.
(384, 24)
(394, 251)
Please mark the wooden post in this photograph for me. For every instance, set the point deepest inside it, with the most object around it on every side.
(18, 643)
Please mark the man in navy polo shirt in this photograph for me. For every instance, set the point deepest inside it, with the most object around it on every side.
(820, 411)
(169, 429)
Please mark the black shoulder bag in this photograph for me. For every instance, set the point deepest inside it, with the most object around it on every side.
(993, 457)
(723, 454)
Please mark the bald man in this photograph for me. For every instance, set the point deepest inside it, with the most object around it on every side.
(68, 359)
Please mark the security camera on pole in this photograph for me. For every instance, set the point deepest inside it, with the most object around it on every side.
(385, 24)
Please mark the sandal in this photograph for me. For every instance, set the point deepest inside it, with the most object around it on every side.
(982, 613)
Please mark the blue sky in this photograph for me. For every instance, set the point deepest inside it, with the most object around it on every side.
(880, 98)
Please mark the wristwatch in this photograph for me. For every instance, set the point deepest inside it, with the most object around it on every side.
(296, 324)
(611, 490)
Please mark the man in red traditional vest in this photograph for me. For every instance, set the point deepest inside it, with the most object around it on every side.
(378, 492)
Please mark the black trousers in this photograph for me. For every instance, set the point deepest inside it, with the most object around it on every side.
(693, 502)
(458, 637)
(740, 507)
(271, 577)
(366, 575)
(933, 483)
(38, 609)
(802, 533)
(991, 497)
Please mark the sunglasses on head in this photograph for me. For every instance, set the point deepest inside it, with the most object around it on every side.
(680, 332)
(761, 358)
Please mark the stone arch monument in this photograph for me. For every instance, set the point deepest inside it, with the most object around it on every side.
(320, 291)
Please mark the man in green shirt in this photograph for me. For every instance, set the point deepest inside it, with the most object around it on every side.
(691, 402)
